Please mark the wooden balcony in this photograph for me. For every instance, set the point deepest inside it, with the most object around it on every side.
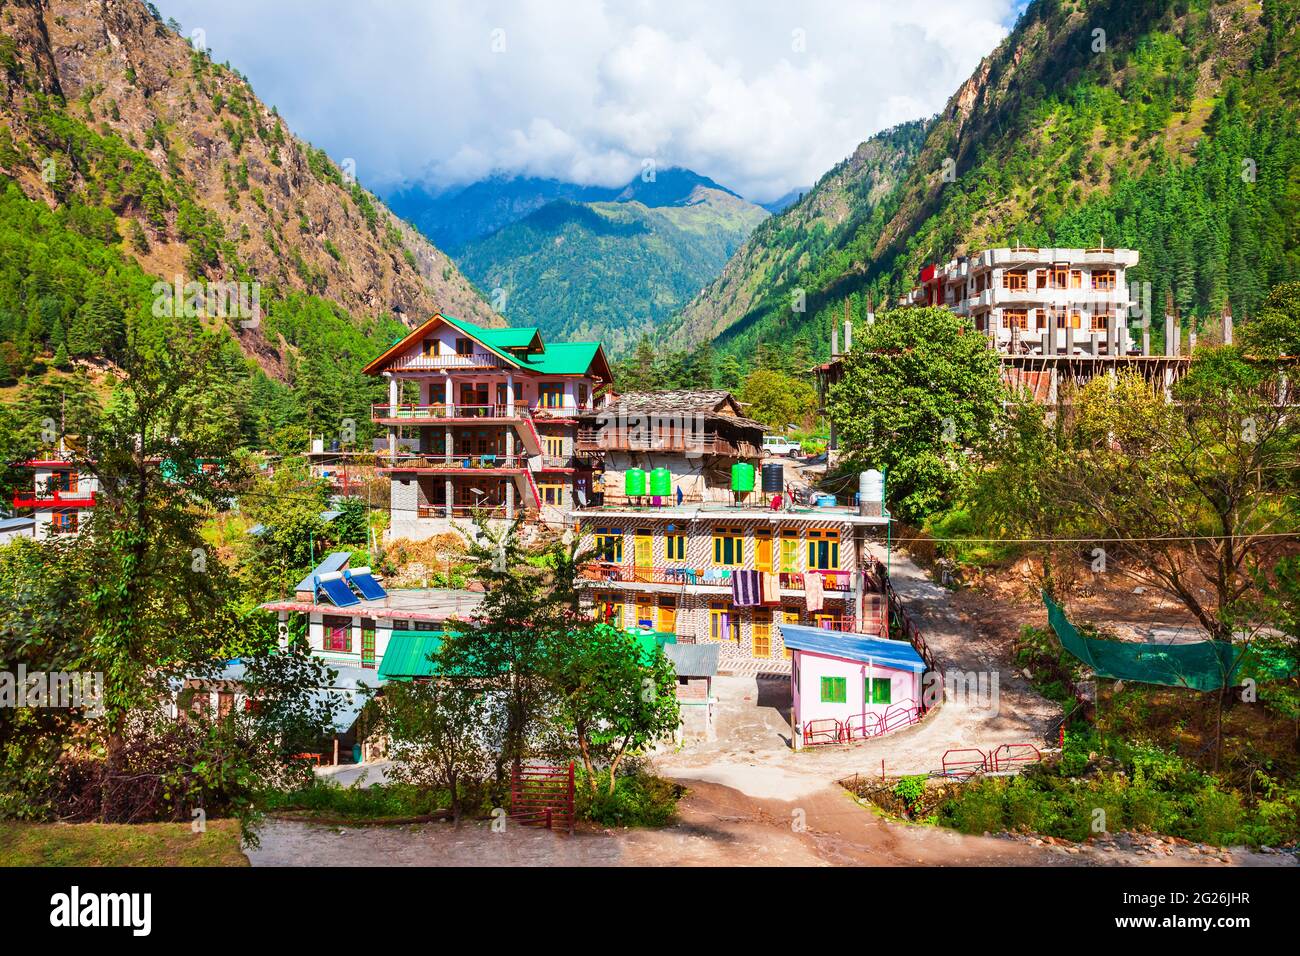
(598, 440)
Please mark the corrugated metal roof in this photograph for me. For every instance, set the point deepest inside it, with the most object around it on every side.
(16, 524)
(408, 653)
(694, 660)
(854, 647)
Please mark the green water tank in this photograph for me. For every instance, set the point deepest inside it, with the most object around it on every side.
(634, 482)
(742, 476)
(661, 482)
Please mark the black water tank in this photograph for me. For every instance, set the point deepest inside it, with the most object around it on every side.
(773, 477)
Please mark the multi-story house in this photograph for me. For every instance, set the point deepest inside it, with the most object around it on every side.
(687, 542)
(1038, 301)
(493, 416)
(61, 497)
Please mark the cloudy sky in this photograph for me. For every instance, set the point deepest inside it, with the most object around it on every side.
(761, 96)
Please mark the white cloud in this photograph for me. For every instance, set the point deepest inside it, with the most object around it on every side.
(758, 96)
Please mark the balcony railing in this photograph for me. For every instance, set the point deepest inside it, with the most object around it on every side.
(54, 499)
(455, 463)
(591, 439)
(405, 412)
(838, 581)
(416, 363)
(460, 511)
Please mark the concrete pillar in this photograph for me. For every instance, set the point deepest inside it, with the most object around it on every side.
(510, 393)
(393, 389)
(448, 396)
(1069, 337)
(510, 501)
(448, 495)
(447, 448)
(1227, 327)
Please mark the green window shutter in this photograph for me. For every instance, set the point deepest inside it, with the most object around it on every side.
(841, 690)
(882, 690)
(828, 690)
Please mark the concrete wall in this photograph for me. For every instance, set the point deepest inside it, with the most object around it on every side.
(810, 668)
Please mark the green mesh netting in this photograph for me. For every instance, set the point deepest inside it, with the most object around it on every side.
(1205, 665)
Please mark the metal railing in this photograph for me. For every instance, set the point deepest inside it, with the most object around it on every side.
(455, 463)
(417, 362)
(441, 411)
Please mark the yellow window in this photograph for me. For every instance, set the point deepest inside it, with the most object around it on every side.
(763, 550)
(728, 547)
(644, 550)
(762, 634)
(823, 550)
(554, 446)
(789, 552)
(552, 494)
(675, 547)
(609, 543)
(667, 615)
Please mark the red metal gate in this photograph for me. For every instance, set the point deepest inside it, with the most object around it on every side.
(542, 796)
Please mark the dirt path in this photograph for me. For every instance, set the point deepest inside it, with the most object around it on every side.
(717, 826)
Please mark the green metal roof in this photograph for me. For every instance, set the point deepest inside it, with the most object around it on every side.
(408, 653)
(563, 358)
(557, 358)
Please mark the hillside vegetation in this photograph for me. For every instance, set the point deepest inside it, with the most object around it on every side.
(1173, 130)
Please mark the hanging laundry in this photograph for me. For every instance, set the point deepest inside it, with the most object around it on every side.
(771, 588)
(746, 589)
(812, 590)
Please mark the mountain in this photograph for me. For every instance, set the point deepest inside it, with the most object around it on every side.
(137, 140)
(1168, 126)
(453, 218)
(614, 269)
(781, 203)
(843, 201)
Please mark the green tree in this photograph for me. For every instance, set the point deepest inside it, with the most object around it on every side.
(779, 400)
(1275, 330)
(920, 388)
(614, 696)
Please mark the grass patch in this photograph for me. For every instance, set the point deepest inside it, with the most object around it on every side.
(1090, 789)
(380, 802)
(639, 800)
(120, 844)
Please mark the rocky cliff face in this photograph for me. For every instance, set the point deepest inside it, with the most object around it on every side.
(103, 104)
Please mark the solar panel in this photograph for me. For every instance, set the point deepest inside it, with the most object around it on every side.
(337, 590)
(365, 582)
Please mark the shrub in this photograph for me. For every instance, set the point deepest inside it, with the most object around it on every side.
(639, 799)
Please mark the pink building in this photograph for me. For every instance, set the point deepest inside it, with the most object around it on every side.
(850, 686)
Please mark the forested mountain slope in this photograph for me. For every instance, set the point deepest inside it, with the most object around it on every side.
(1169, 126)
(612, 270)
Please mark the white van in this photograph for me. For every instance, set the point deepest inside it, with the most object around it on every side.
(779, 445)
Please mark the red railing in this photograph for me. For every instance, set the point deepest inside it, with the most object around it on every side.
(55, 499)
(825, 730)
(962, 763)
(875, 723)
(455, 463)
(1011, 756)
(543, 797)
(839, 583)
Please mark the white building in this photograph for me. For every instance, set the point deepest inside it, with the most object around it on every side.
(60, 498)
(1039, 301)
